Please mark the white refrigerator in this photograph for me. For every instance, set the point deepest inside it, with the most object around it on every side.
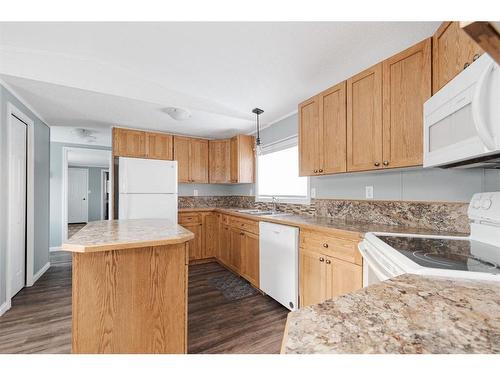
(147, 189)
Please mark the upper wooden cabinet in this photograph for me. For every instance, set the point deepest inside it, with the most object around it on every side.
(129, 143)
(242, 159)
(452, 51)
(406, 86)
(159, 146)
(364, 120)
(192, 159)
(219, 156)
(322, 133)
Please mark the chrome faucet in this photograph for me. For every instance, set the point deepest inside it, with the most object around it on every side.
(275, 202)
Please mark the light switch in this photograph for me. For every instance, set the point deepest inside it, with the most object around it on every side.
(369, 192)
(195, 192)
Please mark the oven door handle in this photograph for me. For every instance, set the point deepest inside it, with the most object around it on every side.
(372, 263)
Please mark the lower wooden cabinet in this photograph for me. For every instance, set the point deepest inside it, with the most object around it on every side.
(250, 258)
(210, 235)
(196, 244)
(224, 243)
(235, 249)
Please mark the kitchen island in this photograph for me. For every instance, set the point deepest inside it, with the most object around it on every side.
(129, 292)
(406, 314)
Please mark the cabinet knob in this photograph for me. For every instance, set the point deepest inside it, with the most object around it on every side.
(321, 259)
(315, 171)
(466, 65)
(325, 245)
(386, 162)
(475, 57)
(376, 164)
(321, 171)
(328, 261)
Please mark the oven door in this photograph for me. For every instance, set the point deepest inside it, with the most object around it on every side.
(374, 268)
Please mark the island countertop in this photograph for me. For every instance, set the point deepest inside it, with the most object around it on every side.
(406, 314)
(108, 235)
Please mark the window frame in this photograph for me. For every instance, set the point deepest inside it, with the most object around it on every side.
(280, 145)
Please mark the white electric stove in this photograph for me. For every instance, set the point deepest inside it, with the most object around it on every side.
(477, 256)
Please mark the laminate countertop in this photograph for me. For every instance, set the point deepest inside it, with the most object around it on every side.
(337, 226)
(406, 314)
(107, 235)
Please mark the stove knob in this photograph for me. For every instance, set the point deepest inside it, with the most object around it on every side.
(486, 204)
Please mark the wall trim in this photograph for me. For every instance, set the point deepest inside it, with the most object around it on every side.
(40, 273)
(4, 307)
(55, 248)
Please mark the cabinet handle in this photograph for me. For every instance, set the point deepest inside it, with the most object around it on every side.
(466, 65)
(325, 245)
(475, 57)
(376, 164)
(321, 171)
(321, 259)
(328, 261)
(315, 171)
(241, 233)
(386, 163)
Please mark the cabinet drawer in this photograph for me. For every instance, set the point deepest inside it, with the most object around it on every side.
(337, 247)
(245, 224)
(188, 218)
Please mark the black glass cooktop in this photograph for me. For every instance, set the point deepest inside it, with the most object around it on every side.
(464, 255)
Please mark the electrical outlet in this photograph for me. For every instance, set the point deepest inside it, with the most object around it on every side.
(195, 192)
(313, 192)
(369, 192)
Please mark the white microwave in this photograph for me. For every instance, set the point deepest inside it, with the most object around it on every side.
(462, 120)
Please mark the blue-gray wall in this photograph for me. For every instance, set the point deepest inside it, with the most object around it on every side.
(41, 187)
(415, 184)
(95, 191)
(56, 204)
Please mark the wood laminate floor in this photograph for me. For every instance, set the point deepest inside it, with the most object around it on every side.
(40, 318)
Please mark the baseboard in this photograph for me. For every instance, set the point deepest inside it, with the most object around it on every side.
(37, 275)
(4, 307)
(55, 248)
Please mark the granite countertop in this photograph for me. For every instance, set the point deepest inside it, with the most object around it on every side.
(328, 223)
(126, 234)
(406, 314)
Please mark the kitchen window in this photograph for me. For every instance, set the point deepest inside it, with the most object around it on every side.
(278, 173)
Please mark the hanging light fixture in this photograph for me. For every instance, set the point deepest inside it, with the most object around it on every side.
(258, 148)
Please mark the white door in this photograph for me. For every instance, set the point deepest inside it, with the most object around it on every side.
(17, 205)
(78, 189)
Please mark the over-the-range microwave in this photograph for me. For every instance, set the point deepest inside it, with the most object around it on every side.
(462, 120)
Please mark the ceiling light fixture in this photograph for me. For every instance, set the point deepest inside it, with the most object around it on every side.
(258, 147)
(178, 114)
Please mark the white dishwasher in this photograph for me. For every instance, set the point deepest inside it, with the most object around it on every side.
(279, 263)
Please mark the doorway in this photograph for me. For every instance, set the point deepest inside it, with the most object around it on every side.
(78, 195)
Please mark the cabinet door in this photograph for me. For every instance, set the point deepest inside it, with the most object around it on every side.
(333, 119)
(211, 232)
(312, 277)
(225, 244)
(234, 158)
(406, 86)
(342, 277)
(159, 146)
(250, 258)
(196, 244)
(130, 143)
(364, 120)
(246, 159)
(198, 161)
(181, 154)
(219, 161)
(235, 249)
(310, 145)
(452, 48)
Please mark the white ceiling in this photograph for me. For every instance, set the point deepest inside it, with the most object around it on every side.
(80, 157)
(95, 75)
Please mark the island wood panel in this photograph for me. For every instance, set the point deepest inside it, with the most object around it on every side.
(130, 301)
(452, 48)
(333, 119)
(159, 146)
(181, 154)
(406, 86)
(309, 137)
(364, 120)
(219, 161)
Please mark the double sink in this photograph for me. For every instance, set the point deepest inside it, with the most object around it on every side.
(257, 212)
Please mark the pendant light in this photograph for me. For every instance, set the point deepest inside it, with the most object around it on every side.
(258, 148)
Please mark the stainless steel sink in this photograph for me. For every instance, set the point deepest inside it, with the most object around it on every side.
(253, 211)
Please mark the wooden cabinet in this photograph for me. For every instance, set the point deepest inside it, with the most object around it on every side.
(364, 120)
(211, 235)
(196, 244)
(250, 258)
(406, 86)
(452, 49)
(242, 163)
(322, 133)
(235, 249)
(129, 143)
(330, 266)
(219, 156)
(159, 146)
(224, 243)
(192, 159)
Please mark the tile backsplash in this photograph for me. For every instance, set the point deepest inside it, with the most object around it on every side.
(444, 216)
